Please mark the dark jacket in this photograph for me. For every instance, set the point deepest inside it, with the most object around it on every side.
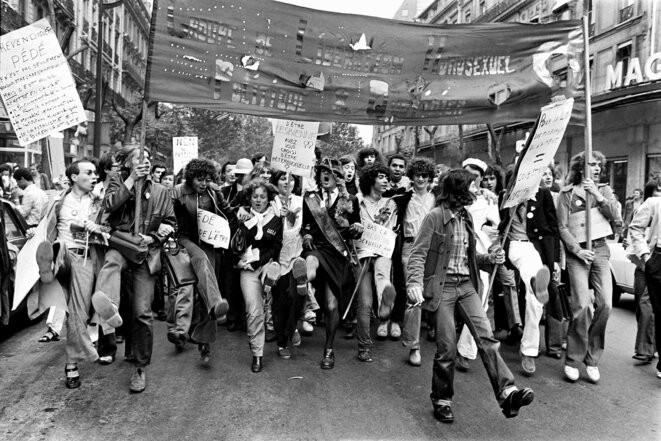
(430, 255)
(542, 228)
(156, 208)
(184, 199)
(270, 244)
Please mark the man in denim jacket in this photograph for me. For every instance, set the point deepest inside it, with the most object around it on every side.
(443, 277)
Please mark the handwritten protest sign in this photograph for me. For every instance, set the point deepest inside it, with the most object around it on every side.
(213, 229)
(599, 225)
(293, 146)
(36, 85)
(540, 152)
(377, 239)
(184, 148)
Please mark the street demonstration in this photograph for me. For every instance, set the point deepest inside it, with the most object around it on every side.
(230, 196)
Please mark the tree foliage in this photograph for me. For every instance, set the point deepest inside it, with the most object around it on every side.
(343, 140)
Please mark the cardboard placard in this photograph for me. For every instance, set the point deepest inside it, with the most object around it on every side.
(36, 85)
(541, 149)
(293, 146)
(184, 148)
(213, 229)
(600, 227)
(377, 239)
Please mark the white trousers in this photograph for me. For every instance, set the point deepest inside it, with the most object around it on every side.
(525, 258)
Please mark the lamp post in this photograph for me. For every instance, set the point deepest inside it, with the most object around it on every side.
(98, 102)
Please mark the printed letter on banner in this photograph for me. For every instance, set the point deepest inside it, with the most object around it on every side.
(213, 229)
(378, 240)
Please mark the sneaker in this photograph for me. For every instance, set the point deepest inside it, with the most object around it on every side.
(106, 309)
(299, 271)
(382, 330)
(516, 400)
(395, 331)
(414, 357)
(461, 363)
(387, 302)
(221, 309)
(310, 316)
(296, 338)
(44, 255)
(528, 365)
(106, 359)
(571, 373)
(138, 381)
(593, 373)
(306, 328)
(284, 353)
(272, 274)
(540, 285)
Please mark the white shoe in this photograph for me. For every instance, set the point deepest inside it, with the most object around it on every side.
(310, 316)
(571, 373)
(395, 330)
(593, 373)
(382, 330)
(307, 327)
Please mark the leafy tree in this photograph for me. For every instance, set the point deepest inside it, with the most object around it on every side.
(343, 140)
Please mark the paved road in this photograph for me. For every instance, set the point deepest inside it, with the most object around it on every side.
(295, 400)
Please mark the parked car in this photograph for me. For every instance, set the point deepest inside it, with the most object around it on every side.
(13, 235)
(622, 271)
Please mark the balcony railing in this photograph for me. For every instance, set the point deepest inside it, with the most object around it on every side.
(626, 13)
(65, 6)
(501, 7)
(10, 20)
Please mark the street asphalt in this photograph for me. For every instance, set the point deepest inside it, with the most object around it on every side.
(296, 400)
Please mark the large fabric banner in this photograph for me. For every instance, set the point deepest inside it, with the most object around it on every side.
(283, 61)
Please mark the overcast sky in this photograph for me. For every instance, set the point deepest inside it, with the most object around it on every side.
(378, 8)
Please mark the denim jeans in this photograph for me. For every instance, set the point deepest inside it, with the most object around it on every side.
(141, 294)
(79, 301)
(377, 273)
(286, 308)
(644, 315)
(653, 278)
(203, 261)
(253, 295)
(412, 314)
(459, 295)
(590, 307)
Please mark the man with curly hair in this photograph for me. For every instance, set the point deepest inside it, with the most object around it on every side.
(374, 208)
(412, 207)
(369, 156)
(331, 218)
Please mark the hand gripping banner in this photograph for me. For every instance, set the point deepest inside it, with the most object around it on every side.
(278, 60)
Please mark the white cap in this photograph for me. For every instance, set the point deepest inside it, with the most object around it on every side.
(478, 163)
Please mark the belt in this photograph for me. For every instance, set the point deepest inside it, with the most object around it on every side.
(457, 278)
(595, 242)
(520, 240)
(409, 239)
(77, 251)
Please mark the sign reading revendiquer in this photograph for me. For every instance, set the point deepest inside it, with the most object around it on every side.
(36, 85)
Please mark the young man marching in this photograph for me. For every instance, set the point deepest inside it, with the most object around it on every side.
(443, 278)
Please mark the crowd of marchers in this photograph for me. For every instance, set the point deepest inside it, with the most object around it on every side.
(294, 258)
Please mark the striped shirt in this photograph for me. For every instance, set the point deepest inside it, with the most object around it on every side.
(458, 263)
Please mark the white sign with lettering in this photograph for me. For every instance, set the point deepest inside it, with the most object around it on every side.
(293, 146)
(213, 229)
(542, 148)
(377, 239)
(184, 148)
(635, 74)
(36, 85)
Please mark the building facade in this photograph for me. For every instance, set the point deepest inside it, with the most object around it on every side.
(125, 45)
(625, 73)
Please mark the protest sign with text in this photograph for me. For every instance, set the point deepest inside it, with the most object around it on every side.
(541, 149)
(36, 85)
(293, 146)
(184, 148)
(377, 239)
(213, 229)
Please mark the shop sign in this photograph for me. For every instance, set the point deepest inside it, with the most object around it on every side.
(636, 74)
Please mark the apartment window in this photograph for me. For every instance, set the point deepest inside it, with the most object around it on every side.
(623, 54)
(626, 10)
(590, 7)
(616, 176)
(483, 6)
(653, 167)
(467, 17)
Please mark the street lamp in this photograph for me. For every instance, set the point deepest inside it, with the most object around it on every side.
(99, 75)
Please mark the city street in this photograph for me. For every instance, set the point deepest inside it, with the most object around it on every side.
(295, 400)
